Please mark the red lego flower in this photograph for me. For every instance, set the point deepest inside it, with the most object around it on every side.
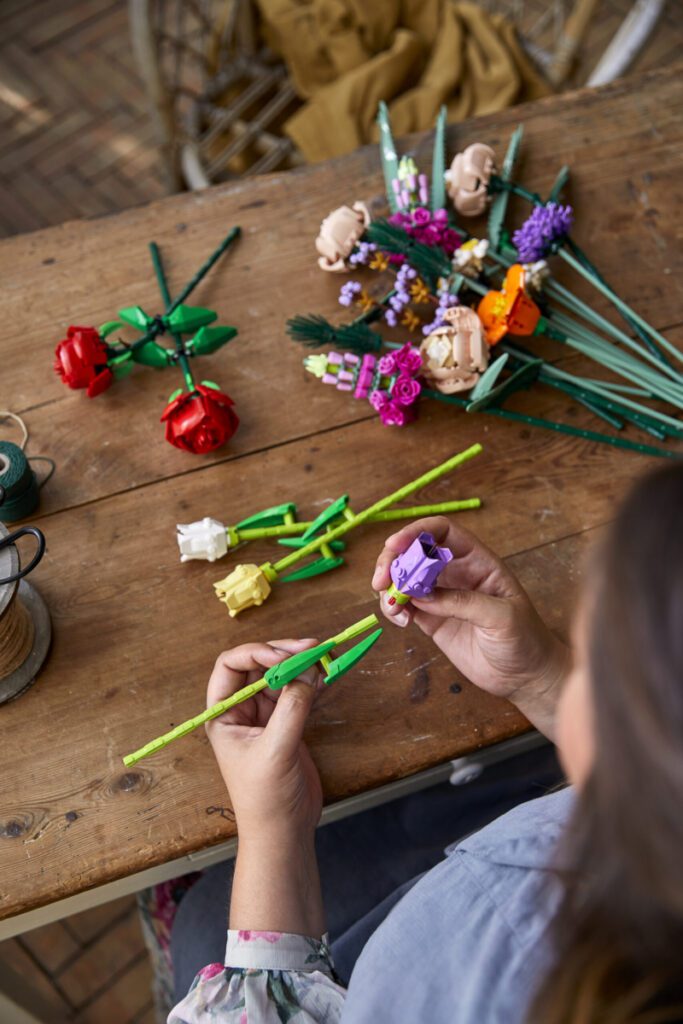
(81, 361)
(200, 421)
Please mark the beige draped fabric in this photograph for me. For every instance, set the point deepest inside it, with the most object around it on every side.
(347, 55)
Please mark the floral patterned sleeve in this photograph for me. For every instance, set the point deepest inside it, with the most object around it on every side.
(268, 978)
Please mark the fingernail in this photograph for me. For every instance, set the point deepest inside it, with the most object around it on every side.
(402, 618)
(375, 577)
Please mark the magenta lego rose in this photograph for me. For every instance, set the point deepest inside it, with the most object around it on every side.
(406, 390)
(393, 415)
(408, 360)
(387, 364)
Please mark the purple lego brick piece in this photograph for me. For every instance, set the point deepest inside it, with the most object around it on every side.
(416, 571)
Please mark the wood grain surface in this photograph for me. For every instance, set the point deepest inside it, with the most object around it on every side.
(136, 633)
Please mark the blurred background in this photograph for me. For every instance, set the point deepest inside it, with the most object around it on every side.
(105, 105)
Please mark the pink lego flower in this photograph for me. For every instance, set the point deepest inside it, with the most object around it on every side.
(406, 390)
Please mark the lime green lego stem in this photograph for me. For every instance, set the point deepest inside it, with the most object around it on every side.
(237, 698)
(379, 506)
(193, 723)
(236, 536)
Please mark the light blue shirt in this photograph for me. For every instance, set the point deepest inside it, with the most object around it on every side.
(468, 944)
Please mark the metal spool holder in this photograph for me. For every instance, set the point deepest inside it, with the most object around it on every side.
(23, 676)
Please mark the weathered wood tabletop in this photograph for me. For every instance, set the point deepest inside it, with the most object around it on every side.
(136, 633)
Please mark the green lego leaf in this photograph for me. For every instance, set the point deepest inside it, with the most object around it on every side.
(516, 382)
(210, 339)
(288, 670)
(387, 149)
(340, 666)
(273, 516)
(430, 262)
(313, 331)
(152, 354)
(332, 511)
(500, 201)
(438, 197)
(316, 568)
(559, 184)
(186, 319)
(121, 370)
(136, 317)
(210, 384)
(111, 325)
(488, 378)
(176, 394)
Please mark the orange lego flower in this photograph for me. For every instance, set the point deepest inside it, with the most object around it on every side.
(509, 311)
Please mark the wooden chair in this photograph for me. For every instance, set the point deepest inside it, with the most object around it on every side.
(219, 96)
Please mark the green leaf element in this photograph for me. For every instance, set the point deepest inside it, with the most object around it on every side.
(186, 319)
(488, 378)
(136, 317)
(121, 369)
(176, 394)
(500, 202)
(152, 354)
(387, 151)
(105, 330)
(439, 163)
(210, 384)
(559, 184)
(209, 339)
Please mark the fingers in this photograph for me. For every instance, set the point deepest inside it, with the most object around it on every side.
(474, 566)
(399, 542)
(234, 668)
(231, 669)
(285, 729)
(398, 614)
(482, 610)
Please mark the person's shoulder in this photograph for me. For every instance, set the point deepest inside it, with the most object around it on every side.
(525, 837)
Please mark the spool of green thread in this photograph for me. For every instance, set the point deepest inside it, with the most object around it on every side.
(19, 483)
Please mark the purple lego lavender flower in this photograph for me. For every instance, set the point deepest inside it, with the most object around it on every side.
(390, 317)
(348, 293)
(542, 230)
(362, 254)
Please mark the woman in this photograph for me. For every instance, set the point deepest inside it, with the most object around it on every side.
(567, 910)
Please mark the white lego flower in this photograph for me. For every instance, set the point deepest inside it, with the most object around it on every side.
(206, 539)
(472, 253)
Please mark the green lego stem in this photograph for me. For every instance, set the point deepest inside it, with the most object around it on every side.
(204, 269)
(248, 691)
(379, 506)
(166, 296)
(193, 723)
(294, 529)
(620, 304)
(560, 428)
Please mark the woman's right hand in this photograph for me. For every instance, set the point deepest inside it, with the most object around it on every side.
(483, 620)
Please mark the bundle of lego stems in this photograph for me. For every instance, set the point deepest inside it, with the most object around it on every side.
(249, 585)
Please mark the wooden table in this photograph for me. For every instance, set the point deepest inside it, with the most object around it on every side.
(136, 633)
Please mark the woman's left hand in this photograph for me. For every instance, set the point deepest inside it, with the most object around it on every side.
(273, 783)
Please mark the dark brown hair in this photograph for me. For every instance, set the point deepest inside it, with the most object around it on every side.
(618, 934)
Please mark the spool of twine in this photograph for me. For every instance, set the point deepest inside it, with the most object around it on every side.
(19, 482)
(16, 637)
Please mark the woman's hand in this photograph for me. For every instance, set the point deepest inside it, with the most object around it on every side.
(275, 791)
(269, 773)
(483, 621)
